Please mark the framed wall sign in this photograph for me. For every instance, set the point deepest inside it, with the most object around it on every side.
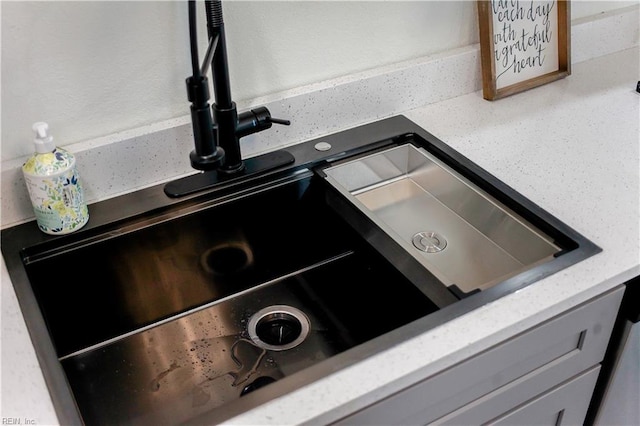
(523, 44)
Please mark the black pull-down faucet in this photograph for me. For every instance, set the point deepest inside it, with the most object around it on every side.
(217, 129)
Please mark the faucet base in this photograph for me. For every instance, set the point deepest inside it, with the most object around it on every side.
(253, 167)
(239, 168)
(207, 162)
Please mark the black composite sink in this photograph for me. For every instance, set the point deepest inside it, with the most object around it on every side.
(202, 307)
(158, 330)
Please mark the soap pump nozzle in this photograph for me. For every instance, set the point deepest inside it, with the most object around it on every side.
(43, 140)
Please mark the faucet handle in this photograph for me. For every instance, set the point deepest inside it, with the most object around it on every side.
(256, 120)
(279, 121)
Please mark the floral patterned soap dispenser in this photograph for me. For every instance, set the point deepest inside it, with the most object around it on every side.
(54, 186)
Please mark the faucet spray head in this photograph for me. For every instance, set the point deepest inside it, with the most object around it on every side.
(207, 154)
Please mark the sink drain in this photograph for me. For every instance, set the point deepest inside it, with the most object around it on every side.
(227, 259)
(429, 242)
(278, 327)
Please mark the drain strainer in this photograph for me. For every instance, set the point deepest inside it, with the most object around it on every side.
(278, 327)
(429, 242)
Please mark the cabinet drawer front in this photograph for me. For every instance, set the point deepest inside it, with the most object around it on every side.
(565, 403)
(551, 352)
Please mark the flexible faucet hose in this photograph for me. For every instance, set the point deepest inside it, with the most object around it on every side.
(213, 9)
(215, 29)
(193, 40)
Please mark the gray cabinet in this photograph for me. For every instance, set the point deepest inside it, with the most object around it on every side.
(616, 401)
(564, 404)
(621, 403)
(519, 380)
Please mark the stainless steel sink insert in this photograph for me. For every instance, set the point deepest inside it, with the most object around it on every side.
(460, 233)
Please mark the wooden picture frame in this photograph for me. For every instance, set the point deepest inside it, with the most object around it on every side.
(523, 44)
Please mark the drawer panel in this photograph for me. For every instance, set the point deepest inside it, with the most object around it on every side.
(552, 352)
(565, 403)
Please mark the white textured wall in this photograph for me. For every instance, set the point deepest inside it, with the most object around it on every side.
(95, 68)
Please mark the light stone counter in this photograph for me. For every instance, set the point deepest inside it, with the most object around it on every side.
(571, 146)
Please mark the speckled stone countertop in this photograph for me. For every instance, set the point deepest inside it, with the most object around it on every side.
(571, 146)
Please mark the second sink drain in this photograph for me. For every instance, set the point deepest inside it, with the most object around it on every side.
(278, 327)
(429, 242)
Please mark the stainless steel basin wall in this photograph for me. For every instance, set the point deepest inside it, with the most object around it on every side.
(458, 232)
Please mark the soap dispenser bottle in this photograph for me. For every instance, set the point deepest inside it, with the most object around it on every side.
(54, 186)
